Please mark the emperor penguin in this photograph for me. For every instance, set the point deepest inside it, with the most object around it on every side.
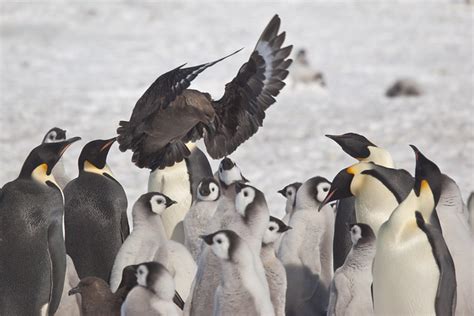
(96, 297)
(147, 237)
(350, 292)
(95, 213)
(289, 192)
(154, 293)
(197, 219)
(33, 257)
(413, 272)
(148, 242)
(54, 135)
(241, 290)
(306, 250)
(274, 269)
(362, 149)
(180, 182)
(250, 218)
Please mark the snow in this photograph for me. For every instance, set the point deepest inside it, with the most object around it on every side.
(82, 67)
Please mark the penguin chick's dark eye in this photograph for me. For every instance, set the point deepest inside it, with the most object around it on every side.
(213, 189)
(160, 202)
(51, 137)
(246, 193)
(219, 241)
(290, 193)
(272, 228)
(325, 189)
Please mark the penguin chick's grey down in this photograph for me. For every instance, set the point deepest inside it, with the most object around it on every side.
(289, 192)
(95, 213)
(33, 258)
(350, 291)
(197, 219)
(240, 291)
(169, 115)
(154, 293)
(274, 270)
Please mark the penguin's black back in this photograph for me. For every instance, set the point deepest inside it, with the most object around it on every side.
(28, 210)
(94, 208)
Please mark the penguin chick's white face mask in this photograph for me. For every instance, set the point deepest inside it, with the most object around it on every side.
(243, 199)
(271, 234)
(230, 176)
(323, 190)
(220, 246)
(158, 204)
(213, 192)
(142, 273)
(356, 234)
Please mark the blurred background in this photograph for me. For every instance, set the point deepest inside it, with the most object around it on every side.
(82, 66)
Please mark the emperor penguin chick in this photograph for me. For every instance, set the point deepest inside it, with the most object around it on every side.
(154, 294)
(274, 269)
(289, 192)
(55, 135)
(306, 251)
(95, 213)
(350, 292)
(240, 291)
(147, 237)
(197, 218)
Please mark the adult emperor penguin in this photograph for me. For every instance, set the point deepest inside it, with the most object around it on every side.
(59, 172)
(289, 192)
(197, 219)
(148, 242)
(274, 269)
(169, 115)
(154, 293)
(351, 286)
(33, 257)
(242, 289)
(306, 251)
(180, 182)
(413, 272)
(95, 213)
(362, 149)
(147, 237)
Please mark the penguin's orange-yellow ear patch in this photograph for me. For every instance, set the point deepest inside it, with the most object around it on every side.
(351, 170)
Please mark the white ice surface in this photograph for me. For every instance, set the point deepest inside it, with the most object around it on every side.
(83, 66)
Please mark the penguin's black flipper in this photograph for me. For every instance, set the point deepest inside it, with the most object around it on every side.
(178, 300)
(342, 243)
(241, 110)
(445, 302)
(57, 253)
(124, 227)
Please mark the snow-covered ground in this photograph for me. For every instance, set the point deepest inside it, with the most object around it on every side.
(83, 66)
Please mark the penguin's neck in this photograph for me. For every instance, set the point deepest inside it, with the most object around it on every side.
(145, 222)
(267, 253)
(40, 175)
(361, 255)
(89, 167)
(402, 222)
(380, 157)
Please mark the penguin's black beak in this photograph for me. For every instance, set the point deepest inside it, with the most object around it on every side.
(282, 192)
(170, 202)
(340, 187)
(74, 290)
(108, 143)
(285, 228)
(207, 238)
(65, 144)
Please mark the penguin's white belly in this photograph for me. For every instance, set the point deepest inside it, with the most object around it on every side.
(406, 276)
(173, 182)
(361, 302)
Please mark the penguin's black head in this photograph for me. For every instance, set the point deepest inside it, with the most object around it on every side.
(340, 187)
(223, 243)
(151, 274)
(289, 191)
(229, 173)
(95, 153)
(427, 173)
(249, 200)
(361, 233)
(355, 145)
(208, 189)
(90, 286)
(42, 159)
(275, 228)
(155, 202)
(54, 135)
(317, 188)
(129, 277)
(281, 226)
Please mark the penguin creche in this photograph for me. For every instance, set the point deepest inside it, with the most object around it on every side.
(274, 269)
(351, 286)
(154, 293)
(33, 257)
(197, 219)
(95, 213)
(240, 290)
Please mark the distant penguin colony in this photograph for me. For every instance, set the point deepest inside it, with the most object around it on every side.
(375, 240)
